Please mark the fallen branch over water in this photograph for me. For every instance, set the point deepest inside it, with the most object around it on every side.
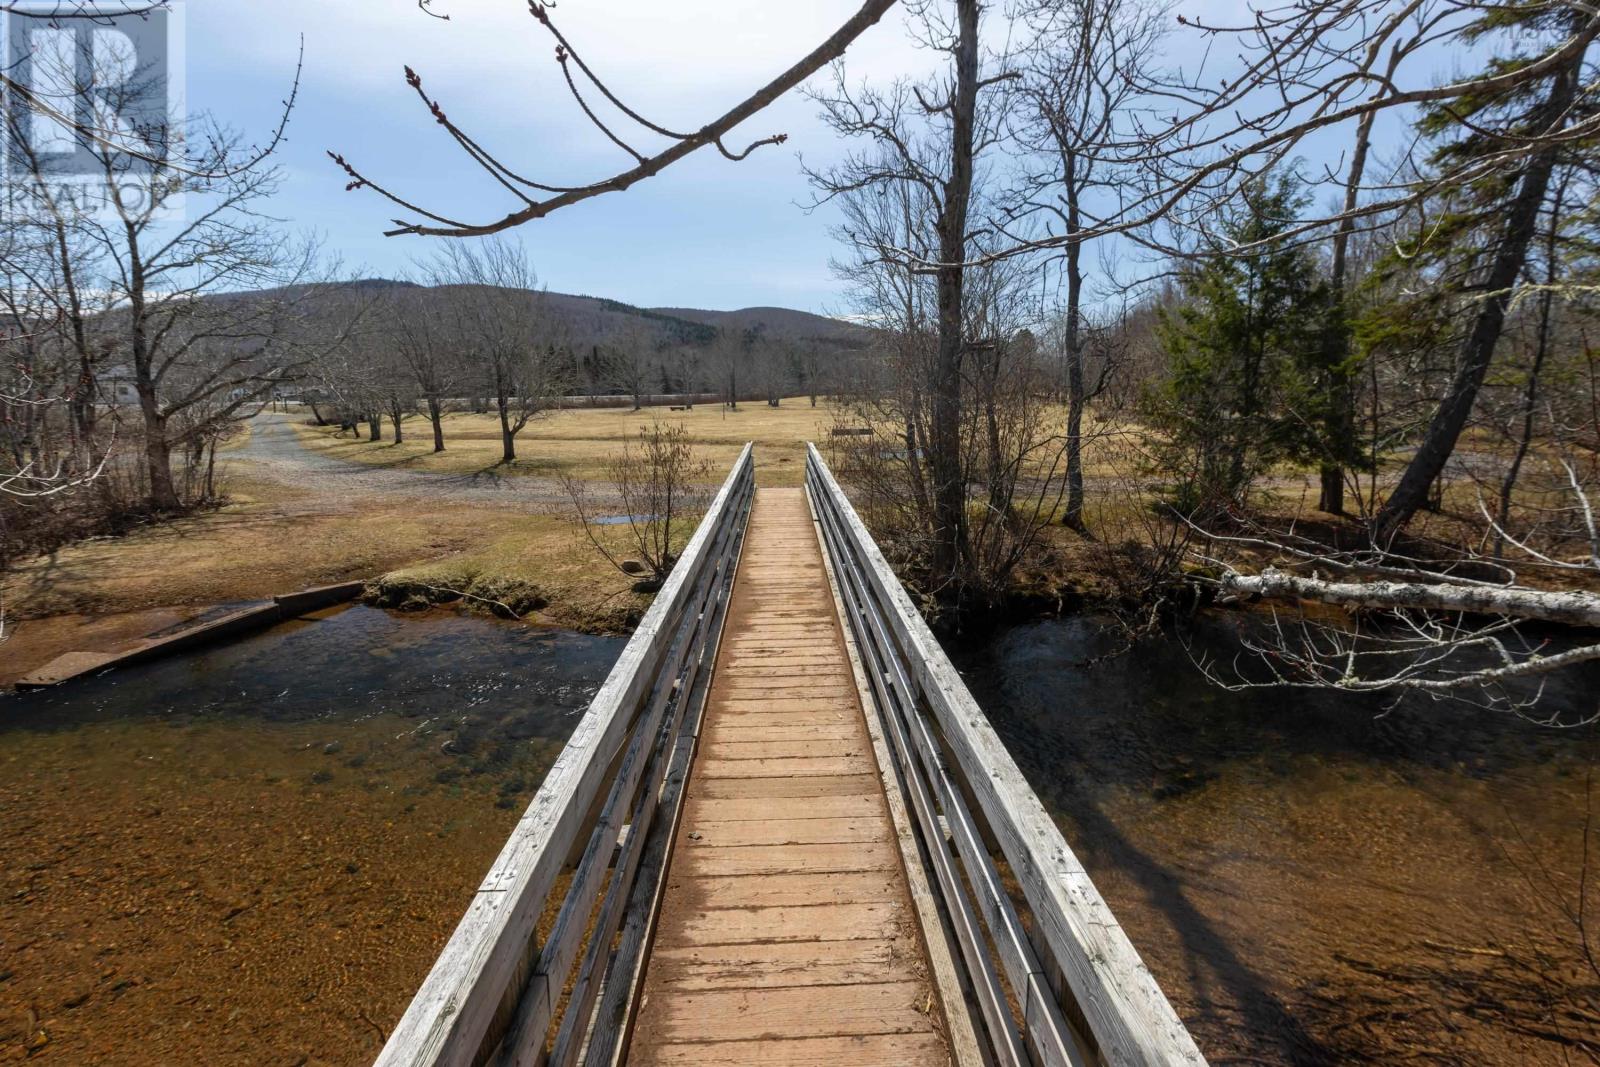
(1568, 607)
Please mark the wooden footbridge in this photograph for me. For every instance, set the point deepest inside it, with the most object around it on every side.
(784, 833)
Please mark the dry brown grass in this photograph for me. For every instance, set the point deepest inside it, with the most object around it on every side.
(274, 539)
(579, 442)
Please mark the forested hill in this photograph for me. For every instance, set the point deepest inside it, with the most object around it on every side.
(591, 320)
(782, 323)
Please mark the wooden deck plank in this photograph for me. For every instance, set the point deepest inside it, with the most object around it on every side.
(786, 932)
(729, 730)
(817, 709)
(783, 963)
(869, 1050)
(793, 859)
(876, 921)
(794, 767)
(790, 1012)
(731, 809)
(784, 832)
(805, 887)
(819, 786)
(789, 748)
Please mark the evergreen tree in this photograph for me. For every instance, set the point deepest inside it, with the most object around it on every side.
(1245, 350)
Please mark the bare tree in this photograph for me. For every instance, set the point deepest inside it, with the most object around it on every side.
(663, 489)
(890, 385)
(1084, 71)
(730, 352)
(930, 137)
(427, 346)
(182, 345)
(52, 262)
(505, 327)
(630, 361)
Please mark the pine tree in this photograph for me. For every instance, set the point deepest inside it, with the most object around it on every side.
(1244, 351)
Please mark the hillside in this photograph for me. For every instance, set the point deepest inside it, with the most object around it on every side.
(776, 322)
(593, 320)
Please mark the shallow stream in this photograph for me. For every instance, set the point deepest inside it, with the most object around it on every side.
(1314, 877)
(252, 854)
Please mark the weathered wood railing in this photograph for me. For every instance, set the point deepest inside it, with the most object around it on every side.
(495, 993)
(1067, 987)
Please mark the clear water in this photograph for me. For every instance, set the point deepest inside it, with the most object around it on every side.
(1313, 877)
(619, 520)
(251, 854)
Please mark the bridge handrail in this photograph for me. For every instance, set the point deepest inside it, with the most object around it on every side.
(1074, 941)
(492, 979)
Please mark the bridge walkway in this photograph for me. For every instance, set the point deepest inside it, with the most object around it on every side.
(786, 934)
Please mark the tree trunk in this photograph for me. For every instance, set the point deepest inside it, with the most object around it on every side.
(944, 436)
(374, 426)
(436, 416)
(83, 413)
(1530, 399)
(508, 440)
(999, 481)
(1246, 432)
(1477, 350)
(1340, 425)
(1331, 497)
(158, 461)
(157, 449)
(396, 417)
(1074, 343)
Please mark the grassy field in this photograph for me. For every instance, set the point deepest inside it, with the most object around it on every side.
(579, 442)
(268, 540)
(274, 536)
(272, 539)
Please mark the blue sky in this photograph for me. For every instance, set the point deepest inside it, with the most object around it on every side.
(708, 233)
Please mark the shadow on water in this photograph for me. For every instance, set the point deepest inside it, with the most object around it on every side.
(252, 853)
(1281, 858)
(1208, 955)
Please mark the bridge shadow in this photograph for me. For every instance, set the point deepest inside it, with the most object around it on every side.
(1212, 963)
